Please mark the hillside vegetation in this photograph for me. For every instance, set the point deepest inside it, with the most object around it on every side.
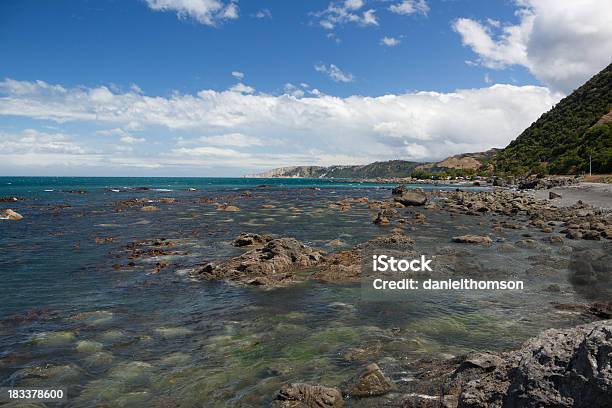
(562, 139)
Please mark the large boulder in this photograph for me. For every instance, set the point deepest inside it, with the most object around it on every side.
(412, 198)
(369, 381)
(300, 395)
(559, 368)
(11, 215)
(274, 264)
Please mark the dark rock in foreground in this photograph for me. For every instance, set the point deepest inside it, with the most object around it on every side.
(299, 395)
(559, 368)
(274, 264)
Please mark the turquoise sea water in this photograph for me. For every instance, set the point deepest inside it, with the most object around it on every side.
(33, 185)
(75, 313)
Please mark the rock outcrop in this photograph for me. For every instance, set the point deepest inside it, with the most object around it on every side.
(274, 264)
(559, 368)
(346, 266)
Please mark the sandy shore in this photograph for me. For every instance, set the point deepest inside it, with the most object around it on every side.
(595, 194)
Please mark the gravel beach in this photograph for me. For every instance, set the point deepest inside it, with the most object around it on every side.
(595, 194)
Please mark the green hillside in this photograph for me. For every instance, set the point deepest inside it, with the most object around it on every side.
(562, 139)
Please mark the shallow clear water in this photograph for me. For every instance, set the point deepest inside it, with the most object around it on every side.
(74, 314)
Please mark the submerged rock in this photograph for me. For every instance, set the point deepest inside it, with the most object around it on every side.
(369, 381)
(560, 368)
(300, 395)
(473, 239)
(10, 215)
(273, 264)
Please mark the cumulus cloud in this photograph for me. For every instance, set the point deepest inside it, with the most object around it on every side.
(208, 12)
(254, 131)
(407, 7)
(561, 43)
(335, 73)
(242, 88)
(293, 90)
(263, 13)
(208, 151)
(389, 41)
(344, 12)
(33, 141)
(231, 139)
(129, 139)
(238, 75)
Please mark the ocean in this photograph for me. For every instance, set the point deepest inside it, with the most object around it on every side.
(79, 310)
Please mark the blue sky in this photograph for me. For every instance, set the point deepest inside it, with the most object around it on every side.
(216, 87)
(124, 42)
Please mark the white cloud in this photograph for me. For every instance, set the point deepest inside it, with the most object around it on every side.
(132, 140)
(293, 90)
(31, 141)
(232, 139)
(389, 41)
(561, 43)
(487, 79)
(256, 131)
(135, 88)
(263, 13)
(209, 151)
(335, 73)
(344, 12)
(124, 136)
(242, 88)
(208, 12)
(406, 7)
(238, 75)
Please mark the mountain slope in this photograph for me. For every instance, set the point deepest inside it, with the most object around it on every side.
(392, 168)
(562, 139)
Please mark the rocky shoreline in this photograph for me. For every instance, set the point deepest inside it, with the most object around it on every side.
(558, 368)
(563, 368)
(272, 262)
